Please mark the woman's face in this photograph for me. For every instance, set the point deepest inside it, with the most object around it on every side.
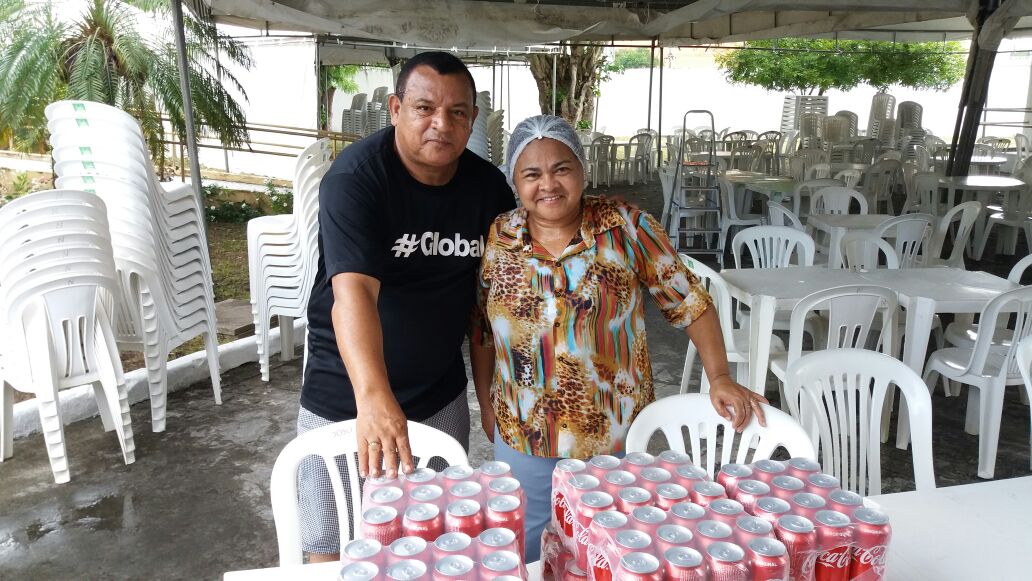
(549, 180)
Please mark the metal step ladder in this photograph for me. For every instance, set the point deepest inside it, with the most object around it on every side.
(693, 215)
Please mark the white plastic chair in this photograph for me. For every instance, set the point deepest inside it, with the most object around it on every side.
(989, 367)
(850, 177)
(639, 158)
(964, 215)
(867, 251)
(923, 194)
(837, 200)
(963, 335)
(333, 443)
(844, 390)
(879, 181)
(910, 234)
(1024, 357)
(773, 247)
(779, 215)
(729, 217)
(602, 162)
(57, 283)
(817, 171)
(1016, 214)
(670, 415)
(807, 189)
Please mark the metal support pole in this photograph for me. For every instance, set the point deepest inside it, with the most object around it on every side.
(652, 67)
(555, 67)
(973, 97)
(494, 93)
(659, 123)
(184, 86)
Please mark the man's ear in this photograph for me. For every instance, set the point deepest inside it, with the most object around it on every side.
(394, 105)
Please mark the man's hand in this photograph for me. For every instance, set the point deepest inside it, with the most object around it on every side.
(382, 432)
(488, 419)
(725, 393)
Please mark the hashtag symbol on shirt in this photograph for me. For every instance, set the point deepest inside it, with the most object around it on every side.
(405, 245)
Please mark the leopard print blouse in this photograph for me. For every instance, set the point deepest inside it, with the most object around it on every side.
(571, 363)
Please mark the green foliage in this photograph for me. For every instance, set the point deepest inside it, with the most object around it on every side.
(342, 77)
(100, 55)
(584, 124)
(20, 185)
(280, 200)
(219, 208)
(816, 65)
(630, 58)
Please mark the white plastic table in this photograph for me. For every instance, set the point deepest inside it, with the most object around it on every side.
(837, 225)
(322, 572)
(981, 188)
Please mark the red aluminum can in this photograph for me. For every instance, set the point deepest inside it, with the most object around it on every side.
(464, 516)
(653, 476)
(424, 521)
(688, 474)
(688, 514)
(671, 459)
(784, 487)
(564, 469)
(505, 485)
(574, 573)
(496, 539)
(768, 559)
(361, 571)
(388, 496)
(417, 477)
(731, 474)
(604, 524)
(616, 480)
(822, 484)
(452, 544)
(749, 491)
(374, 483)
(844, 501)
(668, 494)
(807, 504)
(369, 550)
(771, 509)
(727, 562)
(631, 541)
(408, 570)
(703, 493)
(631, 498)
(506, 511)
(455, 567)
(599, 465)
(457, 473)
(431, 493)
(708, 532)
(465, 490)
(684, 564)
(749, 527)
(647, 519)
(409, 548)
(871, 538)
(800, 539)
(802, 467)
(500, 563)
(639, 567)
(725, 510)
(834, 545)
(590, 505)
(576, 487)
(636, 461)
(669, 536)
(381, 523)
(494, 469)
(766, 470)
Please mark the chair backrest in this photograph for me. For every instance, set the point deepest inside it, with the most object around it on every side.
(1015, 304)
(1023, 354)
(864, 150)
(718, 291)
(923, 194)
(852, 118)
(983, 150)
(728, 208)
(910, 234)
(672, 414)
(818, 171)
(1019, 269)
(774, 247)
(642, 144)
(844, 390)
(850, 177)
(864, 250)
(966, 213)
(743, 157)
(601, 147)
(837, 200)
(779, 215)
(332, 443)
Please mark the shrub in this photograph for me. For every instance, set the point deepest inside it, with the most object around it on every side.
(280, 200)
(218, 208)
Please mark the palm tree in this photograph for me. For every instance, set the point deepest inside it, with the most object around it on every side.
(102, 56)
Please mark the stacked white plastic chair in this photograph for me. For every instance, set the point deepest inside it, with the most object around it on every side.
(57, 288)
(283, 255)
(161, 255)
(479, 141)
(353, 120)
(882, 107)
(496, 136)
(853, 121)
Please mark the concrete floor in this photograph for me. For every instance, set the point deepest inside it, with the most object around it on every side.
(196, 501)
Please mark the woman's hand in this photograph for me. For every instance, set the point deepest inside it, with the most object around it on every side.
(726, 393)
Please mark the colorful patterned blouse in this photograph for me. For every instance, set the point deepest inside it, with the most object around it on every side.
(572, 366)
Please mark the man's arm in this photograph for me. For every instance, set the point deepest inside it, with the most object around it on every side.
(381, 426)
(482, 361)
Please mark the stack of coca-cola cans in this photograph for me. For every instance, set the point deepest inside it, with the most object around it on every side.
(461, 523)
(661, 517)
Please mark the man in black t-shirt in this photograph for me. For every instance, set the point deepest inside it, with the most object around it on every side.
(402, 220)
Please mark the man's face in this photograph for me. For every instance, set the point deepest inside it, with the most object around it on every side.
(435, 119)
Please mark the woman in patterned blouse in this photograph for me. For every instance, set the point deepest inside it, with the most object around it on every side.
(562, 301)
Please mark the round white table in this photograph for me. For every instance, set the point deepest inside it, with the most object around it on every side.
(981, 188)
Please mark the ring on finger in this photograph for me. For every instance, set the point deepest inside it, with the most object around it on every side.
(374, 443)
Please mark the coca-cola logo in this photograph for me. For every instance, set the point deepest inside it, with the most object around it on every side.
(835, 558)
(582, 535)
(873, 558)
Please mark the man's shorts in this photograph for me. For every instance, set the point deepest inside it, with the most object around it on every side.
(319, 530)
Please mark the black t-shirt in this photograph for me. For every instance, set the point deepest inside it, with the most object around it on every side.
(423, 243)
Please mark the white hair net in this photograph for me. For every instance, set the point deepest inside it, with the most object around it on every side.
(541, 127)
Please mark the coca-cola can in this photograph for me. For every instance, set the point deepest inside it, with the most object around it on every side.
(466, 489)
(687, 514)
(431, 493)
(363, 550)
(653, 476)
(388, 496)
(631, 498)
(844, 501)
(712, 531)
(424, 521)
(375, 482)
(496, 539)
(703, 493)
(802, 467)
(684, 564)
(494, 469)
(408, 570)
(749, 527)
(727, 562)
(800, 539)
(731, 474)
(454, 567)
(688, 474)
(591, 503)
(409, 548)
(771, 509)
(871, 537)
(599, 465)
(768, 559)
(784, 487)
(464, 516)
(671, 459)
(361, 571)
(670, 536)
(647, 519)
(616, 480)
(834, 545)
(668, 494)
(636, 461)
(822, 484)
(765, 470)
(499, 563)
(417, 477)
(725, 510)
(639, 567)
(381, 523)
(563, 470)
(807, 504)
(506, 511)
(749, 491)
(605, 524)
(505, 485)
(577, 486)
(573, 572)
(457, 473)
(630, 541)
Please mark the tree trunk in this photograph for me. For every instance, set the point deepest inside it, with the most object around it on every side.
(577, 71)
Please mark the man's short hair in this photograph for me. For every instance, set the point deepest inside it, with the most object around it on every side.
(445, 63)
